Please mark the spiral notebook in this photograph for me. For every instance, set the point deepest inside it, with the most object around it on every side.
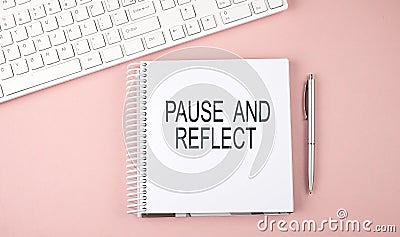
(208, 137)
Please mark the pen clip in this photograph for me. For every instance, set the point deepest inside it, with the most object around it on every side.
(305, 101)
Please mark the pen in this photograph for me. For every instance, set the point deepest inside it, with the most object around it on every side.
(309, 111)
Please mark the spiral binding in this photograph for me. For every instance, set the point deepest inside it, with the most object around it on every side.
(135, 123)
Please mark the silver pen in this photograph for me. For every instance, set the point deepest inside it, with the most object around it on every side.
(309, 112)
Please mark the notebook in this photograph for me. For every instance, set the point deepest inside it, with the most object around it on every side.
(208, 137)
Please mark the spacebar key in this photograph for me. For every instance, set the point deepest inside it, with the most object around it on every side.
(37, 78)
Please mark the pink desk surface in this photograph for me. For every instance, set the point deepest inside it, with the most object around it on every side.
(62, 155)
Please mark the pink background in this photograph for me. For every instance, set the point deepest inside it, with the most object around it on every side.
(62, 154)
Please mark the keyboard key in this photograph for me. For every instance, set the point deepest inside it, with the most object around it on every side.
(259, 6)
(119, 17)
(155, 39)
(141, 10)
(96, 8)
(113, 37)
(20, 67)
(188, 12)
(177, 33)
(65, 19)
(80, 14)
(74, 32)
(22, 17)
(112, 53)
(89, 27)
(82, 47)
(127, 2)
(19, 33)
(133, 46)
(91, 60)
(193, 27)
(209, 22)
(275, 3)
(167, 4)
(66, 51)
(141, 27)
(104, 22)
(42, 42)
(50, 57)
(50, 23)
(5, 38)
(6, 72)
(97, 41)
(12, 52)
(235, 13)
(52, 7)
(27, 47)
(68, 4)
(58, 37)
(34, 29)
(35, 61)
(37, 12)
(112, 5)
(6, 4)
(7, 22)
(223, 3)
(42, 76)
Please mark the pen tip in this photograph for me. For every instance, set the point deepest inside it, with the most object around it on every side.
(311, 76)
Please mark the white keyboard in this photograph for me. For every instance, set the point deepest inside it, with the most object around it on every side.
(47, 42)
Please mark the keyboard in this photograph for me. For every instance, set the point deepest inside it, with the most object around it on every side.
(47, 42)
